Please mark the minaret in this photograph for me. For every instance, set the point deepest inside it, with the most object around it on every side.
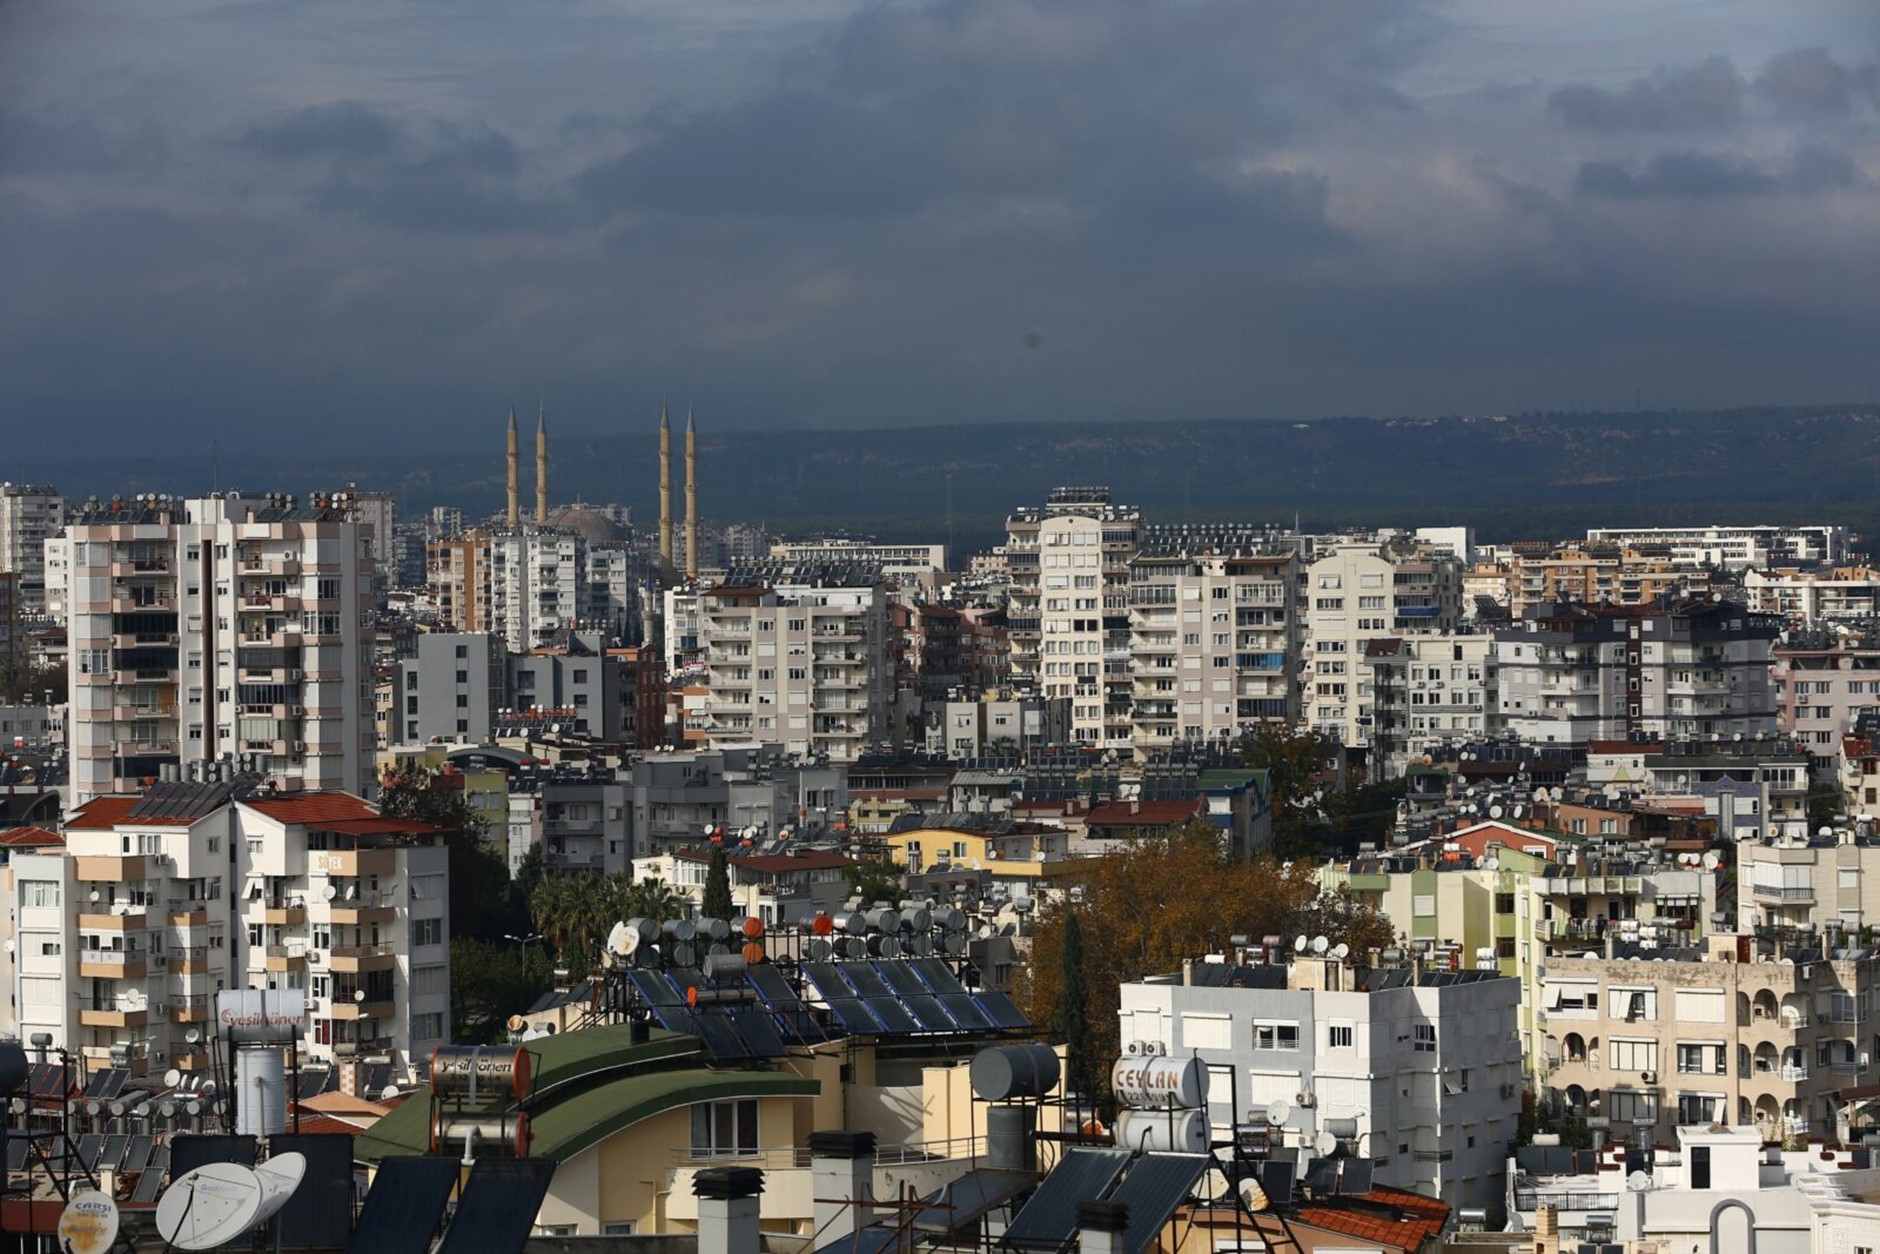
(665, 486)
(691, 496)
(515, 485)
(541, 465)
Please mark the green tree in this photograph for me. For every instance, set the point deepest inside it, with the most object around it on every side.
(874, 879)
(489, 981)
(1073, 1013)
(483, 903)
(1826, 805)
(1303, 788)
(717, 900)
(653, 899)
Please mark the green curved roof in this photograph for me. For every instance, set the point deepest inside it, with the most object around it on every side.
(626, 1083)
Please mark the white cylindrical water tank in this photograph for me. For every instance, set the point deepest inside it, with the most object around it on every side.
(260, 1092)
(1154, 1080)
(1163, 1131)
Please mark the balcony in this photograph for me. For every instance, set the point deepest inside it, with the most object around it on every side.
(357, 959)
(1781, 893)
(190, 960)
(284, 913)
(114, 1012)
(191, 1009)
(351, 863)
(1794, 1074)
(363, 908)
(344, 1007)
(113, 870)
(284, 958)
(111, 964)
(132, 920)
(188, 914)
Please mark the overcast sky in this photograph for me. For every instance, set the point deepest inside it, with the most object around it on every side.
(287, 224)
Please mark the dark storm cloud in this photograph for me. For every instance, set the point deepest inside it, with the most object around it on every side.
(1707, 94)
(346, 129)
(1806, 82)
(1709, 175)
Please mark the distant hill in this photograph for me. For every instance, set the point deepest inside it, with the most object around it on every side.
(1525, 475)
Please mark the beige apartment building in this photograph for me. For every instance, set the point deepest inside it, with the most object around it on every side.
(1754, 1031)
(457, 572)
(1816, 882)
(1214, 637)
(223, 629)
(1527, 576)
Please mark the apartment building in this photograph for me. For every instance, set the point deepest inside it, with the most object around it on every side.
(30, 514)
(1357, 592)
(457, 573)
(798, 655)
(1746, 1030)
(1069, 607)
(1815, 596)
(1215, 636)
(1735, 548)
(785, 887)
(451, 690)
(1823, 681)
(1818, 882)
(1679, 669)
(538, 586)
(377, 515)
(581, 816)
(1419, 1069)
(1427, 691)
(227, 627)
(159, 901)
(899, 563)
(613, 608)
(676, 796)
(999, 723)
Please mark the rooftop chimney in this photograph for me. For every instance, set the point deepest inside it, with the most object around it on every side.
(728, 1209)
(842, 1178)
(1101, 1226)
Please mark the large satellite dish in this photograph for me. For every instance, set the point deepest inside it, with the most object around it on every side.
(1279, 1112)
(279, 1177)
(1252, 1196)
(89, 1224)
(1638, 1182)
(210, 1206)
(1326, 1143)
(622, 941)
(1214, 1186)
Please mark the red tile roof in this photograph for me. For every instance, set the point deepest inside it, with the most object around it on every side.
(1145, 813)
(31, 838)
(1385, 1215)
(312, 807)
(321, 1125)
(100, 813)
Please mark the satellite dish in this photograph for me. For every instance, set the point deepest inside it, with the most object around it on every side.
(1299, 945)
(210, 1206)
(1253, 1197)
(89, 1224)
(279, 1177)
(172, 1078)
(96, 897)
(8, 946)
(1638, 1182)
(1341, 950)
(193, 1035)
(1320, 944)
(389, 1093)
(1279, 1112)
(1326, 1143)
(1712, 860)
(359, 996)
(1215, 1186)
(329, 892)
(1494, 812)
(622, 941)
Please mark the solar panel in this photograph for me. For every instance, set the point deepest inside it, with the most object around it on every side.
(772, 989)
(759, 1033)
(88, 1147)
(855, 1016)
(800, 1026)
(1049, 1219)
(1002, 1010)
(674, 1019)
(866, 980)
(497, 1208)
(1355, 1179)
(320, 1211)
(1277, 1176)
(150, 1183)
(935, 974)
(901, 977)
(932, 1015)
(404, 1206)
(1322, 1176)
(970, 1198)
(874, 1239)
(18, 1146)
(721, 1039)
(1152, 1190)
(655, 988)
(113, 1152)
(190, 1151)
(896, 1019)
(966, 1012)
(107, 1084)
(137, 1154)
(827, 980)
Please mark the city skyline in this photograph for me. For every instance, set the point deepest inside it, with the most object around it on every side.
(834, 215)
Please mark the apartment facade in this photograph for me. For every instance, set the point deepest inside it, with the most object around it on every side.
(676, 796)
(30, 514)
(1069, 607)
(1810, 882)
(799, 657)
(1729, 1034)
(1423, 1066)
(219, 629)
(457, 572)
(1812, 597)
(1823, 681)
(1356, 593)
(538, 586)
(1735, 548)
(1215, 637)
(1426, 692)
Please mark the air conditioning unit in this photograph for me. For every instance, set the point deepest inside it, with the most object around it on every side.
(300, 746)
(1303, 1098)
(294, 675)
(297, 710)
(1649, 1077)
(1507, 1090)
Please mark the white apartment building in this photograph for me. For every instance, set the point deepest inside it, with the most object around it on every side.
(537, 585)
(1069, 607)
(1214, 638)
(216, 629)
(1356, 593)
(1426, 692)
(1735, 548)
(799, 657)
(613, 592)
(29, 516)
(160, 901)
(1810, 597)
(1424, 1064)
(900, 563)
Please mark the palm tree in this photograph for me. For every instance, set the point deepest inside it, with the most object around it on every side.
(653, 899)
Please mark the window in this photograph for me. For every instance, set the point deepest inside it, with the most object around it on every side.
(427, 1027)
(1634, 1055)
(1276, 1036)
(1424, 1038)
(39, 893)
(427, 931)
(1842, 1007)
(1338, 1036)
(726, 1129)
(1700, 1059)
(1629, 1106)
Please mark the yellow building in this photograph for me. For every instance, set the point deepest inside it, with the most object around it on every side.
(1024, 853)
